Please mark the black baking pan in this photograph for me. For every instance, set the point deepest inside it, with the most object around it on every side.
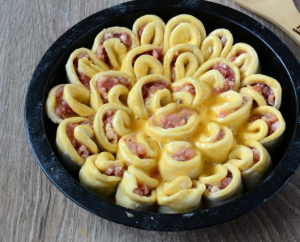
(276, 61)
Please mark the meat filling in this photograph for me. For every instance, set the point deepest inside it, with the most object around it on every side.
(150, 88)
(85, 80)
(183, 154)
(124, 37)
(256, 155)
(157, 54)
(136, 148)
(176, 119)
(223, 40)
(141, 30)
(110, 133)
(114, 171)
(233, 58)
(229, 76)
(265, 91)
(186, 87)
(221, 135)
(62, 108)
(270, 119)
(142, 190)
(81, 149)
(223, 184)
(105, 83)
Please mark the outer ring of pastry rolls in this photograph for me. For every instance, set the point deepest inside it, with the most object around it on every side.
(208, 65)
(165, 135)
(187, 53)
(181, 23)
(125, 196)
(232, 191)
(258, 129)
(93, 179)
(127, 63)
(153, 32)
(181, 195)
(149, 162)
(136, 101)
(242, 157)
(213, 47)
(121, 122)
(95, 64)
(70, 157)
(261, 79)
(248, 62)
(114, 93)
(170, 168)
(212, 149)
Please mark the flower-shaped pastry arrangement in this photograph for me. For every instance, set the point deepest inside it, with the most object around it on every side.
(166, 118)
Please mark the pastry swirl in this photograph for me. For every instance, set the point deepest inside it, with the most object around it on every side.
(215, 143)
(68, 100)
(101, 174)
(230, 73)
(253, 160)
(136, 190)
(245, 58)
(181, 195)
(110, 86)
(112, 44)
(139, 150)
(184, 29)
(82, 65)
(143, 60)
(172, 122)
(75, 141)
(149, 94)
(111, 122)
(180, 158)
(217, 44)
(223, 184)
(263, 89)
(150, 30)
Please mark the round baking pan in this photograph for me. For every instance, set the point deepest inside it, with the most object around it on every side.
(276, 61)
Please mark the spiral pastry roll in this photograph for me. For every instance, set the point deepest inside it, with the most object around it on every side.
(265, 125)
(68, 100)
(112, 44)
(101, 174)
(82, 65)
(184, 29)
(180, 158)
(223, 184)
(215, 143)
(230, 73)
(263, 89)
(172, 122)
(150, 30)
(182, 195)
(231, 109)
(110, 123)
(142, 61)
(110, 86)
(139, 150)
(217, 44)
(245, 58)
(75, 141)
(253, 160)
(182, 60)
(149, 94)
(190, 92)
(137, 190)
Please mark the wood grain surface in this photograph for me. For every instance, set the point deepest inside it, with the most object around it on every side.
(31, 208)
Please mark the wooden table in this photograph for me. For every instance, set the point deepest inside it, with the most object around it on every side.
(31, 208)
